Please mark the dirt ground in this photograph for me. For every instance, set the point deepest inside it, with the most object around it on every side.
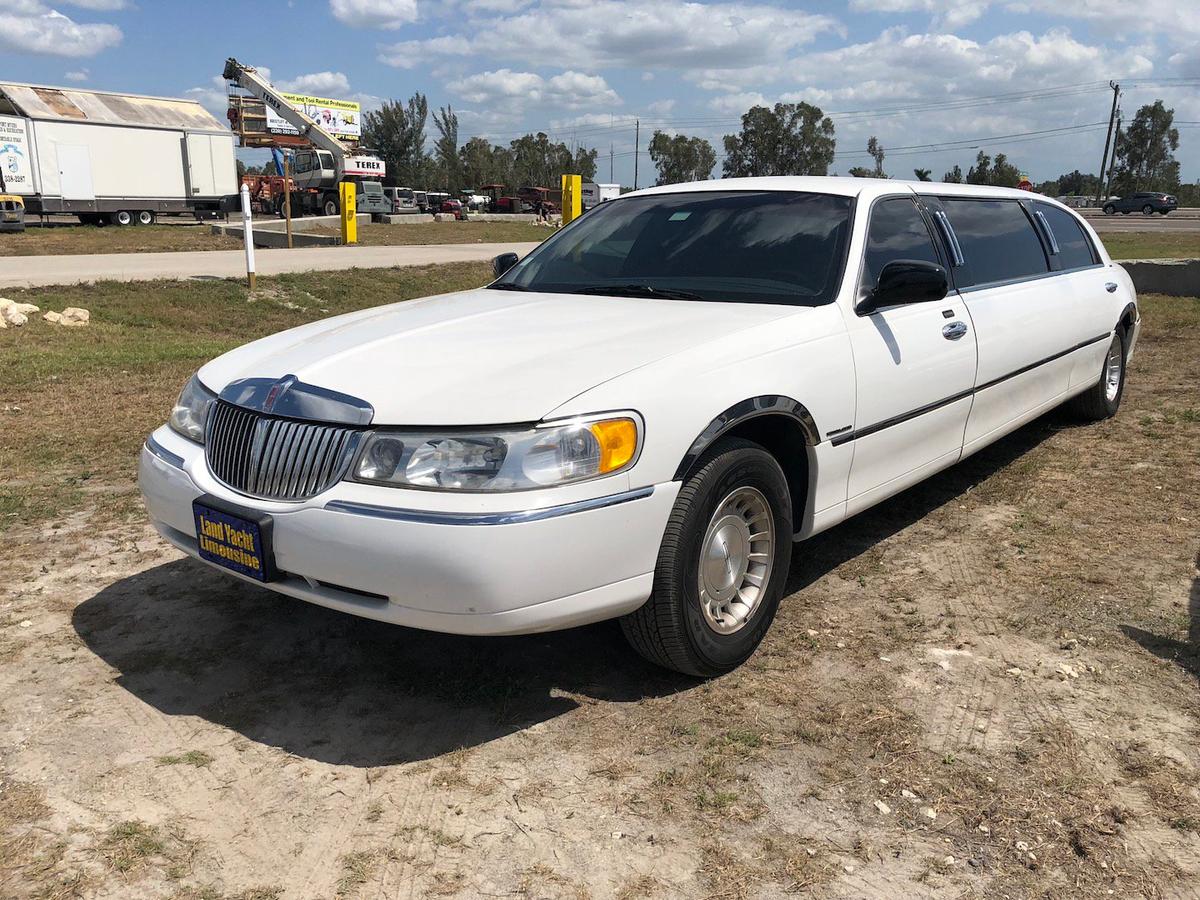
(986, 686)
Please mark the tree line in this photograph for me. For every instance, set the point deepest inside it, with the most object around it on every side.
(799, 139)
(788, 139)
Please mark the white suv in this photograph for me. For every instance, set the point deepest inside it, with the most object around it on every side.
(638, 418)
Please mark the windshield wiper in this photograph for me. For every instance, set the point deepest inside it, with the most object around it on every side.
(637, 290)
(507, 286)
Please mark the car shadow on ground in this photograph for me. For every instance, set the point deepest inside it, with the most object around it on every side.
(348, 691)
(1185, 653)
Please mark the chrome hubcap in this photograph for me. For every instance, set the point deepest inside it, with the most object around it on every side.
(1112, 371)
(736, 559)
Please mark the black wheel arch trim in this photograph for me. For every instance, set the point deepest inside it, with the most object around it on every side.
(1131, 311)
(744, 411)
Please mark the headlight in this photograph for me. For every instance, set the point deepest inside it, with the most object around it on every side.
(500, 459)
(191, 410)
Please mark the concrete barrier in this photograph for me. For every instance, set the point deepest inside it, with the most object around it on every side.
(404, 218)
(1173, 277)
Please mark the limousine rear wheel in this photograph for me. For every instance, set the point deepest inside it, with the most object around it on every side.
(1102, 400)
(722, 566)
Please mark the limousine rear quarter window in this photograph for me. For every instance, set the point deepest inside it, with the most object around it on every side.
(998, 240)
(1074, 249)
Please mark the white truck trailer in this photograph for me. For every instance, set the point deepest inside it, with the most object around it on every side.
(593, 194)
(114, 158)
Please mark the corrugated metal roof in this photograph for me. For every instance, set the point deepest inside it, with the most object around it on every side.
(74, 105)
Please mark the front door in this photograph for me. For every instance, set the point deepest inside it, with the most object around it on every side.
(914, 366)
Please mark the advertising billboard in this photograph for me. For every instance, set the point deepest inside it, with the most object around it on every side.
(339, 117)
(15, 164)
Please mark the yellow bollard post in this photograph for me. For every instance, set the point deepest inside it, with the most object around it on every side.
(572, 198)
(349, 212)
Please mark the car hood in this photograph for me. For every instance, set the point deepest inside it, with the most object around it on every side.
(484, 356)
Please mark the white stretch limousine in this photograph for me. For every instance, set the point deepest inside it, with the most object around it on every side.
(639, 417)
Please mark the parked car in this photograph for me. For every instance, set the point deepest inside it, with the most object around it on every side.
(638, 418)
(403, 199)
(1146, 202)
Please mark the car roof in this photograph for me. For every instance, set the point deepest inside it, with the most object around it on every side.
(844, 186)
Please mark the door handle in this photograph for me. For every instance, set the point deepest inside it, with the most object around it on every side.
(1111, 287)
(954, 330)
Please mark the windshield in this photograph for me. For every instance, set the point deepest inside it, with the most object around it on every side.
(739, 246)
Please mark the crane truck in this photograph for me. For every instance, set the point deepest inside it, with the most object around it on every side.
(317, 171)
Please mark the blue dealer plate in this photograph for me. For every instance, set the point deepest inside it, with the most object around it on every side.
(235, 542)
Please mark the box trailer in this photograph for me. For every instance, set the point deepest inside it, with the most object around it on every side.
(118, 158)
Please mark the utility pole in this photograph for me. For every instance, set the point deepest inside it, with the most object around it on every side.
(1112, 163)
(637, 146)
(610, 163)
(1112, 116)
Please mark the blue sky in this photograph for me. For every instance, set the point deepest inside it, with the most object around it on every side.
(970, 74)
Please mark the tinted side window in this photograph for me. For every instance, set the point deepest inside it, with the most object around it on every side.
(998, 241)
(1074, 248)
(897, 231)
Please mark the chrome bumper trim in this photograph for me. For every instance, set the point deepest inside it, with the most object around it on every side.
(437, 517)
(163, 453)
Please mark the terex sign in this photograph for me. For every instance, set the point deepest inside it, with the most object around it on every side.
(365, 165)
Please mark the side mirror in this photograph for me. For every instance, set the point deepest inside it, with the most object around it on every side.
(503, 263)
(906, 281)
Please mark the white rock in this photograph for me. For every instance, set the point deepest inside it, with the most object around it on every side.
(929, 812)
(949, 860)
(12, 317)
(74, 315)
(883, 808)
(908, 795)
(1067, 671)
(27, 308)
(1022, 846)
(5, 303)
(53, 318)
(25, 624)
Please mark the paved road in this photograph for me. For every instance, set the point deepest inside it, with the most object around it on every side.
(32, 271)
(1137, 222)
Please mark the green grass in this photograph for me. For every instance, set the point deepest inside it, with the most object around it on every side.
(1151, 244)
(76, 403)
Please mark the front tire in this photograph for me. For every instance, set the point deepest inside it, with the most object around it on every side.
(1109, 209)
(1103, 399)
(1147, 210)
(722, 566)
(330, 206)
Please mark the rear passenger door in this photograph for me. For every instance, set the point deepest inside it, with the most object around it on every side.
(914, 366)
(1024, 319)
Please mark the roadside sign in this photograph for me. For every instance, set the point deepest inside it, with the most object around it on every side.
(1024, 184)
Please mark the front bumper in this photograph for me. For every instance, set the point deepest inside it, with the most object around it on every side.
(364, 550)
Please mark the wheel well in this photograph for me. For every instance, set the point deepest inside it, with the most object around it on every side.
(783, 437)
(1128, 318)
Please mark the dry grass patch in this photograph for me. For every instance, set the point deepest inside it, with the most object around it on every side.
(129, 848)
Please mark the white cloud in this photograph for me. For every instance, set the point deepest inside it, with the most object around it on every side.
(320, 84)
(736, 104)
(101, 5)
(661, 107)
(655, 34)
(407, 54)
(374, 13)
(77, 75)
(30, 27)
(519, 90)
(946, 13)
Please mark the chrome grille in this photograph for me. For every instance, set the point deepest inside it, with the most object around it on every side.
(273, 458)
